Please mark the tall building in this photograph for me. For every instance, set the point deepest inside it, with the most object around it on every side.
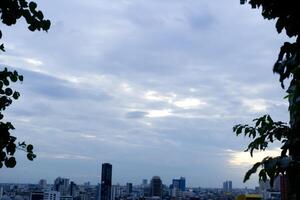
(178, 184)
(74, 191)
(227, 186)
(61, 185)
(182, 184)
(1, 192)
(175, 183)
(145, 182)
(177, 188)
(129, 188)
(43, 183)
(156, 187)
(106, 175)
(98, 187)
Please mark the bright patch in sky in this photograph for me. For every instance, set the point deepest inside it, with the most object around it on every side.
(65, 156)
(88, 136)
(189, 103)
(155, 96)
(33, 62)
(159, 113)
(126, 87)
(238, 158)
(256, 105)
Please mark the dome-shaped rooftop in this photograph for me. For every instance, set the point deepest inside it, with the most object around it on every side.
(155, 177)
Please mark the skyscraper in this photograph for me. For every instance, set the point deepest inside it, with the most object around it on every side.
(129, 188)
(182, 184)
(156, 187)
(227, 186)
(74, 192)
(42, 183)
(145, 182)
(1, 192)
(179, 184)
(106, 176)
(61, 185)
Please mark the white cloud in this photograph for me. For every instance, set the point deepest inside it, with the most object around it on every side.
(34, 62)
(159, 113)
(156, 96)
(190, 103)
(255, 105)
(64, 156)
(88, 136)
(126, 87)
(240, 158)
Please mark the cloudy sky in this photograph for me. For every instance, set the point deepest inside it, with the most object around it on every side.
(153, 87)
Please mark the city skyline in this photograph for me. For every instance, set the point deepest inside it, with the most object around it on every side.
(106, 179)
(153, 87)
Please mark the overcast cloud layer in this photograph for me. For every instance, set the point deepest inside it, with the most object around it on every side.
(153, 87)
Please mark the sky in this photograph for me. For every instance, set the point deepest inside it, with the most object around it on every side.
(152, 87)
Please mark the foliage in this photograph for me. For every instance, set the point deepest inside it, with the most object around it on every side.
(263, 132)
(7, 141)
(287, 66)
(11, 11)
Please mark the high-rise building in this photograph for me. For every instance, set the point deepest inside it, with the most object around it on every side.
(182, 184)
(145, 182)
(146, 190)
(179, 184)
(98, 187)
(42, 183)
(156, 187)
(1, 192)
(61, 185)
(227, 186)
(74, 191)
(175, 183)
(129, 188)
(106, 175)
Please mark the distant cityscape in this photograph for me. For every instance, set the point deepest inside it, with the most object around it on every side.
(155, 189)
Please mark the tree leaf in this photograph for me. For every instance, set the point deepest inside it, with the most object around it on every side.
(10, 162)
(251, 171)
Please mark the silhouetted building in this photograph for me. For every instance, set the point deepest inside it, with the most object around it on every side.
(145, 182)
(156, 187)
(74, 191)
(98, 187)
(106, 176)
(42, 183)
(1, 192)
(129, 188)
(227, 186)
(178, 184)
(37, 196)
(61, 185)
(182, 184)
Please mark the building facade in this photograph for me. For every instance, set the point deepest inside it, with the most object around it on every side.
(106, 176)
(156, 187)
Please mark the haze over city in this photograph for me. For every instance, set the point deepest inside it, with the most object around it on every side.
(153, 87)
